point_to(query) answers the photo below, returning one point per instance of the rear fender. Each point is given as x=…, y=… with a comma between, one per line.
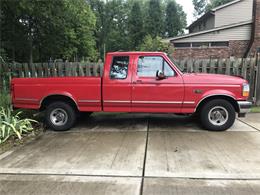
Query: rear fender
x=61, y=93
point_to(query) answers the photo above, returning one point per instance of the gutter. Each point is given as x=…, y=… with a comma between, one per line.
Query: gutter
x=252, y=39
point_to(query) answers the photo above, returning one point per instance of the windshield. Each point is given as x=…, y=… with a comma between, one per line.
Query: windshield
x=175, y=63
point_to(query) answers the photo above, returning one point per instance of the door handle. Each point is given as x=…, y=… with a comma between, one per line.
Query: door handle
x=138, y=81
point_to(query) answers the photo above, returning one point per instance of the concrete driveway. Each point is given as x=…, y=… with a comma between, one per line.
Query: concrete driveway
x=137, y=154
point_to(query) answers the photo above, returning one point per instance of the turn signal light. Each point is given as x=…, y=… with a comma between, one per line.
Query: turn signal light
x=246, y=90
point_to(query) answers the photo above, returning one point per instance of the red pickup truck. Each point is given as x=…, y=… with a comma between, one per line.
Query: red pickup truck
x=140, y=82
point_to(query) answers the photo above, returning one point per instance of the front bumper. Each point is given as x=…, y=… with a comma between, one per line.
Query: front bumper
x=244, y=107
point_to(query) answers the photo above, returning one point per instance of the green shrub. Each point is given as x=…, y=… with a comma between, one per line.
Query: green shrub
x=5, y=100
x=12, y=125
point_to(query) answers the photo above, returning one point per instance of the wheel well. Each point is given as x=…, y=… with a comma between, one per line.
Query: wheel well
x=61, y=98
x=223, y=97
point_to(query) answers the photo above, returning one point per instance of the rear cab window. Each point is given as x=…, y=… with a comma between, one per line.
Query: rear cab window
x=119, y=67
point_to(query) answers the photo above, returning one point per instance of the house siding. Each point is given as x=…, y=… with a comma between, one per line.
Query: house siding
x=235, y=33
x=238, y=12
x=209, y=23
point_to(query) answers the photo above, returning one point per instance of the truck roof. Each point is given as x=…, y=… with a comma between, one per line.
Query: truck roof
x=136, y=53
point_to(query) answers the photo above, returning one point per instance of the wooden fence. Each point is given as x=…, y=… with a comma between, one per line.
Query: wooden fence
x=248, y=68
x=54, y=69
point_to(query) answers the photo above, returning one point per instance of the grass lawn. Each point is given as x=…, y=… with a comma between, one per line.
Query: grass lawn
x=255, y=109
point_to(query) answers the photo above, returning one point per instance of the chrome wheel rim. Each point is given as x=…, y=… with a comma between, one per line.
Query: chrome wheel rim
x=59, y=117
x=218, y=116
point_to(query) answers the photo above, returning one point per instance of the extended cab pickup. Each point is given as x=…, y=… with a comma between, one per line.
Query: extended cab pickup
x=135, y=82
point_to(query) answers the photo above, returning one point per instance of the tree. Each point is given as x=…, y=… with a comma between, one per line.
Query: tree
x=153, y=44
x=111, y=30
x=37, y=30
x=101, y=31
x=117, y=32
x=154, y=19
x=199, y=7
x=41, y=30
x=203, y=6
x=215, y=3
x=13, y=35
x=175, y=20
x=135, y=25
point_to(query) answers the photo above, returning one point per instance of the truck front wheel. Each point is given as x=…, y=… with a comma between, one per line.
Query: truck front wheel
x=60, y=116
x=217, y=115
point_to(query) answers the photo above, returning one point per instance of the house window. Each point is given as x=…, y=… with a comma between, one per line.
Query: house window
x=182, y=45
x=220, y=44
x=200, y=44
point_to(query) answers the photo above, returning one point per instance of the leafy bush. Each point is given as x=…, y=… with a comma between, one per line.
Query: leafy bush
x=5, y=100
x=12, y=125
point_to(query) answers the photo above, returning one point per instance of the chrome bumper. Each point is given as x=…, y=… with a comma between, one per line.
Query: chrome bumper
x=244, y=107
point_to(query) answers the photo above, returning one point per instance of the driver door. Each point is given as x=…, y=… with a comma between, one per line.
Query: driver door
x=150, y=94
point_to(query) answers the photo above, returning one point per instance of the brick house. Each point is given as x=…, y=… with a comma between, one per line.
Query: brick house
x=232, y=29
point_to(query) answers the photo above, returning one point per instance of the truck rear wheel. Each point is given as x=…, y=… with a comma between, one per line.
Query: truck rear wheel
x=60, y=116
x=217, y=115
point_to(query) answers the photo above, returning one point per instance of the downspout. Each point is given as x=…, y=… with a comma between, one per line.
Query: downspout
x=252, y=39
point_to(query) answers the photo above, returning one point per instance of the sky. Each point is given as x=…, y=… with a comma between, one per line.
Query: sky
x=188, y=9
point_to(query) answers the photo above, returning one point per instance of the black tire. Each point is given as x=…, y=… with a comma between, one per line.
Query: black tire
x=67, y=112
x=213, y=105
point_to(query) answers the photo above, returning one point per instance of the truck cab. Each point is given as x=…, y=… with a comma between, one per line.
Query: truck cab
x=142, y=82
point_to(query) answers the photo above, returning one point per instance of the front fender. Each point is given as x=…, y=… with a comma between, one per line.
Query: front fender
x=213, y=93
x=217, y=92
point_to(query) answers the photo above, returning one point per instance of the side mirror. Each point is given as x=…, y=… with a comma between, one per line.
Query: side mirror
x=160, y=75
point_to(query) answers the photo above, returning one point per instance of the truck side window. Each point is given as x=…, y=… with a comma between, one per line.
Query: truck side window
x=119, y=67
x=148, y=66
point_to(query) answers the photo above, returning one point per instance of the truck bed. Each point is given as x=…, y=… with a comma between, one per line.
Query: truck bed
x=30, y=92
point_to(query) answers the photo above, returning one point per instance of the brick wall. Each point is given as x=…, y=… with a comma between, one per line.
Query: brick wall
x=236, y=48
x=256, y=43
x=200, y=53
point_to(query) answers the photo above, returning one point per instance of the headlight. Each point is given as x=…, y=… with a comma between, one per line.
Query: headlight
x=246, y=90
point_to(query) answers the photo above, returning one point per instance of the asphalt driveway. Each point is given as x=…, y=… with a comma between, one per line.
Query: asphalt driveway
x=137, y=154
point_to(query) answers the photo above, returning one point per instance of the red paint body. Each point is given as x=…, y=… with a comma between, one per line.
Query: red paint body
x=178, y=94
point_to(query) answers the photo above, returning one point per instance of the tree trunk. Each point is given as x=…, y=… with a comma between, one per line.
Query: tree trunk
x=13, y=46
x=30, y=43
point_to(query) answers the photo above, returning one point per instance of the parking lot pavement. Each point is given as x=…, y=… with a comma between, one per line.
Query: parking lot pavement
x=173, y=123
x=106, y=153
x=169, y=186
x=60, y=185
x=136, y=154
x=225, y=155
x=252, y=119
